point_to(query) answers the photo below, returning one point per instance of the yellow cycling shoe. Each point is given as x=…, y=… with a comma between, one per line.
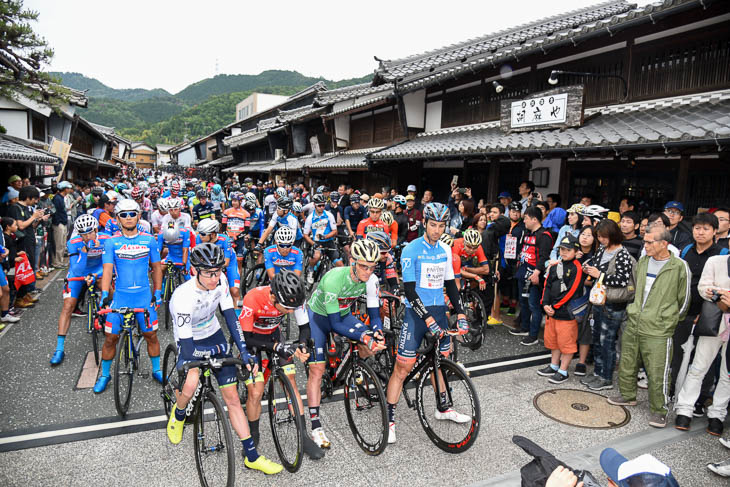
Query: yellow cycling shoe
x=175, y=429
x=494, y=321
x=263, y=464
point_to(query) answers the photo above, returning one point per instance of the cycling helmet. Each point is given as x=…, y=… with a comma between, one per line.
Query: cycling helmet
x=121, y=186
x=97, y=191
x=191, y=194
x=296, y=207
x=174, y=204
x=284, y=203
x=236, y=188
x=381, y=238
x=354, y=199
x=202, y=194
x=175, y=187
x=207, y=256
x=447, y=238
x=319, y=199
x=322, y=189
x=128, y=205
x=516, y=206
x=171, y=234
x=288, y=289
x=436, y=211
x=284, y=236
x=113, y=196
x=85, y=224
x=155, y=192
x=593, y=211
x=335, y=197
x=248, y=181
x=366, y=250
x=136, y=193
x=251, y=197
x=400, y=200
x=208, y=226
x=281, y=192
x=236, y=196
x=251, y=207
x=387, y=218
x=217, y=188
x=472, y=237
x=162, y=205
x=376, y=203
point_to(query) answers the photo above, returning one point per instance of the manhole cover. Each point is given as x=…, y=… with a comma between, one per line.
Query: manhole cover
x=581, y=408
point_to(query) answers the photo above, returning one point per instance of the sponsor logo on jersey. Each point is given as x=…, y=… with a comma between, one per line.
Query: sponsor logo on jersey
x=405, y=262
x=183, y=319
x=132, y=251
x=281, y=261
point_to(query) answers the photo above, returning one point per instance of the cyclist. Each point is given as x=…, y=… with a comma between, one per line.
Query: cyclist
x=329, y=311
x=129, y=255
x=84, y=260
x=385, y=271
x=236, y=222
x=282, y=255
x=427, y=269
x=373, y=221
x=204, y=209
x=321, y=225
x=175, y=214
x=158, y=215
x=469, y=261
x=354, y=214
x=208, y=232
x=174, y=194
x=174, y=244
x=401, y=219
x=198, y=335
x=261, y=316
x=218, y=200
x=283, y=217
x=390, y=224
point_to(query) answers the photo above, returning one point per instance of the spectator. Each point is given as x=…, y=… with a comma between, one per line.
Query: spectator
x=629, y=225
x=555, y=215
x=494, y=234
x=27, y=220
x=481, y=221
x=414, y=216
x=14, y=182
x=723, y=229
x=15, y=254
x=587, y=199
x=627, y=203
x=644, y=470
x=463, y=219
x=505, y=198
x=512, y=249
x=536, y=245
x=588, y=244
x=642, y=230
x=411, y=190
x=661, y=301
x=427, y=198
x=6, y=260
x=661, y=220
x=607, y=319
x=26, y=182
x=572, y=228
x=60, y=222
x=525, y=191
x=681, y=236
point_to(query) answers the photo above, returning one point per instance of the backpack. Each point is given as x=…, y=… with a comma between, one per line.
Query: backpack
x=536, y=473
x=685, y=250
x=578, y=305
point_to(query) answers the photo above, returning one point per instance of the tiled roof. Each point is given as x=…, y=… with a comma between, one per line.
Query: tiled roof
x=351, y=159
x=689, y=118
x=221, y=160
x=263, y=166
x=11, y=151
x=378, y=100
x=431, y=67
x=301, y=113
x=244, y=138
x=348, y=92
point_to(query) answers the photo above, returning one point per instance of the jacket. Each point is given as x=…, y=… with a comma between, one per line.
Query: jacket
x=668, y=300
x=492, y=234
x=715, y=274
x=558, y=292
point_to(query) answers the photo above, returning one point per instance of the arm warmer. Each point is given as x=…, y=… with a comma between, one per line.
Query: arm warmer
x=77, y=263
x=416, y=303
x=392, y=283
x=189, y=351
x=234, y=328
x=452, y=291
x=375, y=321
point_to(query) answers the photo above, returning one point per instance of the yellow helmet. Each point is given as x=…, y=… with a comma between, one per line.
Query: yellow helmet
x=387, y=218
x=366, y=250
x=447, y=238
x=472, y=237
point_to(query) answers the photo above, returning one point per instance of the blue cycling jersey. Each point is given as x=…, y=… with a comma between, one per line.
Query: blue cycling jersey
x=257, y=221
x=175, y=249
x=131, y=257
x=224, y=242
x=289, y=220
x=292, y=261
x=320, y=225
x=428, y=266
x=80, y=263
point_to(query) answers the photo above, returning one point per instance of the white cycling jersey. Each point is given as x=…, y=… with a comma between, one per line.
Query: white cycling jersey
x=183, y=221
x=193, y=309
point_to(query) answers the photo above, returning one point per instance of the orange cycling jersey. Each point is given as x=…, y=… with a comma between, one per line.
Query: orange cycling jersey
x=258, y=314
x=458, y=252
x=367, y=225
x=236, y=221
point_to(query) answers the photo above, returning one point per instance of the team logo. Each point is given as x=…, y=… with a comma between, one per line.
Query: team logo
x=183, y=319
x=329, y=297
x=132, y=251
x=405, y=262
x=246, y=312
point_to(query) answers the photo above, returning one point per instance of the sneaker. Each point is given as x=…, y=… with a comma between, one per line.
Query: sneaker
x=529, y=341
x=494, y=321
x=681, y=422
x=601, y=385
x=311, y=449
x=511, y=311
x=642, y=383
x=699, y=410
x=558, y=378
x=618, y=400
x=722, y=468
x=725, y=442
x=451, y=415
x=8, y=318
x=518, y=333
x=589, y=380
x=714, y=427
x=39, y=276
x=263, y=464
x=547, y=371
x=77, y=312
x=320, y=439
x=658, y=420
x=580, y=369
x=391, y=433
x=175, y=428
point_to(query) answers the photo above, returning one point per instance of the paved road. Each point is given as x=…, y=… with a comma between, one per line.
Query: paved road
x=42, y=404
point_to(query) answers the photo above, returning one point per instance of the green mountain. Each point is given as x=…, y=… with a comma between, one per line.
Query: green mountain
x=97, y=89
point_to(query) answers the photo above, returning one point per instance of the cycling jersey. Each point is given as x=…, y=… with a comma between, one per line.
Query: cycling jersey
x=459, y=257
x=258, y=314
x=202, y=211
x=131, y=257
x=80, y=263
x=156, y=219
x=386, y=270
x=217, y=200
x=337, y=291
x=289, y=220
x=355, y=216
x=236, y=220
x=102, y=217
x=257, y=222
x=428, y=266
x=224, y=243
x=174, y=249
x=273, y=259
x=320, y=225
x=183, y=221
x=368, y=225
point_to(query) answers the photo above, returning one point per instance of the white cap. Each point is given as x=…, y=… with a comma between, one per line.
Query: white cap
x=411, y=187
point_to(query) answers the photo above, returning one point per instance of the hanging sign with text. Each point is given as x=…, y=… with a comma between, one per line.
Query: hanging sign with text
x=558, y=108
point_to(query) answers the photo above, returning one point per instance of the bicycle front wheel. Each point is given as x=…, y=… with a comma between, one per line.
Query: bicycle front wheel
x=123, y=374
x=365, y=408
x=450, y=421
x=213, y=443
x=287, y=427
x=91, y=318
x=169, y=379
x=166, y=295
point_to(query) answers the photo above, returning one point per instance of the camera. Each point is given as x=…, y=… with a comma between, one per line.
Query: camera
x=715, y=296
x=462, y=190
x=47, y=211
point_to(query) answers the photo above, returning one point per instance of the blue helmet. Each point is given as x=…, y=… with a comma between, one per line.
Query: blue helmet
x=436, y=211
x=217, y=188
x=191, y=194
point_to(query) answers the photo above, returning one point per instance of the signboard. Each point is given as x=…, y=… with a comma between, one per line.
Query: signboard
x=557, y=108
x=61, y=149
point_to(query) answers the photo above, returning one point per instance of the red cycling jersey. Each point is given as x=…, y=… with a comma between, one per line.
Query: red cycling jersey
x=367, y=225
x=458, y=252
x=258, y=314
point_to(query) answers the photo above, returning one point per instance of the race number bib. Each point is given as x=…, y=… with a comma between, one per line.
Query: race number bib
x=432, y=276
x=510, y=247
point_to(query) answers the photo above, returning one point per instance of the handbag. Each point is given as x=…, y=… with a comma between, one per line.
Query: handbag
x=708, y=324
x=24, y=274
x=598, y=293
x=620, y=294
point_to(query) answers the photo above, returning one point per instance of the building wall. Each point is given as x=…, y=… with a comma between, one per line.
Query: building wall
x=186, y=157
x=256, y=103
x=553, y=167
x=15, y=122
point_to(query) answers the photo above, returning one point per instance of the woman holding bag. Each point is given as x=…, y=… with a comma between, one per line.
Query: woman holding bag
x=612, y=267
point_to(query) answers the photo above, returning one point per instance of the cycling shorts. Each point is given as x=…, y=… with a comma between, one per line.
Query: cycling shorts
x=232, y=274
x=73, y=289
x=320, y=327
x=113, y=323
x=240, y=246
x=330, y=247
x=225, y=376
x=3, y=278
x=270, y=339
x=413, y=330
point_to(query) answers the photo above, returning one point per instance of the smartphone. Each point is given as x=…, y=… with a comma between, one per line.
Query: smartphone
x=455, y=180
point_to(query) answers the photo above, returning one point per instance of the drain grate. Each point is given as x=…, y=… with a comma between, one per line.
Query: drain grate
x=581, y=408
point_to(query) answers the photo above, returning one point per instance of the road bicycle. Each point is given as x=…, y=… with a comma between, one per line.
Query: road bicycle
x=92, y=322
x=126, y=359
x=174, y=277
x=212, y=438
x=323, y=265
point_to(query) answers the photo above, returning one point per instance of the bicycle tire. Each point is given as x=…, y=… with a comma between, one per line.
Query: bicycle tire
x=167, y=294
x=169, y=379
x=426, y=402
x=362, y=381
x=251, y=281
x=90, y=317
x=123, y=365
x=290, y=447
x=214, y=428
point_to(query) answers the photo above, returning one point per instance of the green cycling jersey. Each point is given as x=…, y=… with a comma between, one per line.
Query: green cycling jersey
x=338, y=290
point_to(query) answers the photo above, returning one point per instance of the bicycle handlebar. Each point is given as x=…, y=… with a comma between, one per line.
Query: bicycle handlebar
x=430, y=342
x=94, y=276
x=216, y=363
x=122, y=311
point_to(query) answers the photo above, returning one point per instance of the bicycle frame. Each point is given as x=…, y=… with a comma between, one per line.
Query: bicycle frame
x=426, y=358
x=128, y=322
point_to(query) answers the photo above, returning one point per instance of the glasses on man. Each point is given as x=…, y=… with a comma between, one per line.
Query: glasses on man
x=372, y=210
x=210, y=274
x=284, y=246
x=469, y=247
x=366, y=267
x=319, y=206
x=128, y=214
x=672, y=212
x=649, y=242
x=205, y=234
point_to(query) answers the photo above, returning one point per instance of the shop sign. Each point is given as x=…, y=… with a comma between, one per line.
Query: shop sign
x=557, y=108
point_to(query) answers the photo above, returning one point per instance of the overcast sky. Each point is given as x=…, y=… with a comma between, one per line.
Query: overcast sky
x=172, y=43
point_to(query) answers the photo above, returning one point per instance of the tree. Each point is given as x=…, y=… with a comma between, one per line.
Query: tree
x=23, y=54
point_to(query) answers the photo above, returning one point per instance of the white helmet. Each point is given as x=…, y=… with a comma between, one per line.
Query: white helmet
x=162, y=204
x=280, y=192
x=366, y=250
x=251, y=198
x=284, y=236
x=208, y=226
x=85, y=224
x=174, y=204
x=113, y=196
x=296, y=207
x=128, y=205
x=171, y=234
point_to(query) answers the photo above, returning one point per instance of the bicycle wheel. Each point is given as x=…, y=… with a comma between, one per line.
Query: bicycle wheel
x=91, y=318
x=448, y=434
x=166, y=295
x=123, y=374
x=365, y=408
x=169, y=379
x=213, y=443
x=285, y=417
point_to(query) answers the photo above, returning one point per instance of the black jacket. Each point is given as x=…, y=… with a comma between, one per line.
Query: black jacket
x=492, y=234
x=558, y=293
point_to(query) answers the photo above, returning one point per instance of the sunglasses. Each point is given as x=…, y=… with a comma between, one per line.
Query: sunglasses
x=211, y=274
x=367, y=268
x=319, y=206
x=473, y=249
x=127, y=214
x=284, y=246
x=204, y=234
